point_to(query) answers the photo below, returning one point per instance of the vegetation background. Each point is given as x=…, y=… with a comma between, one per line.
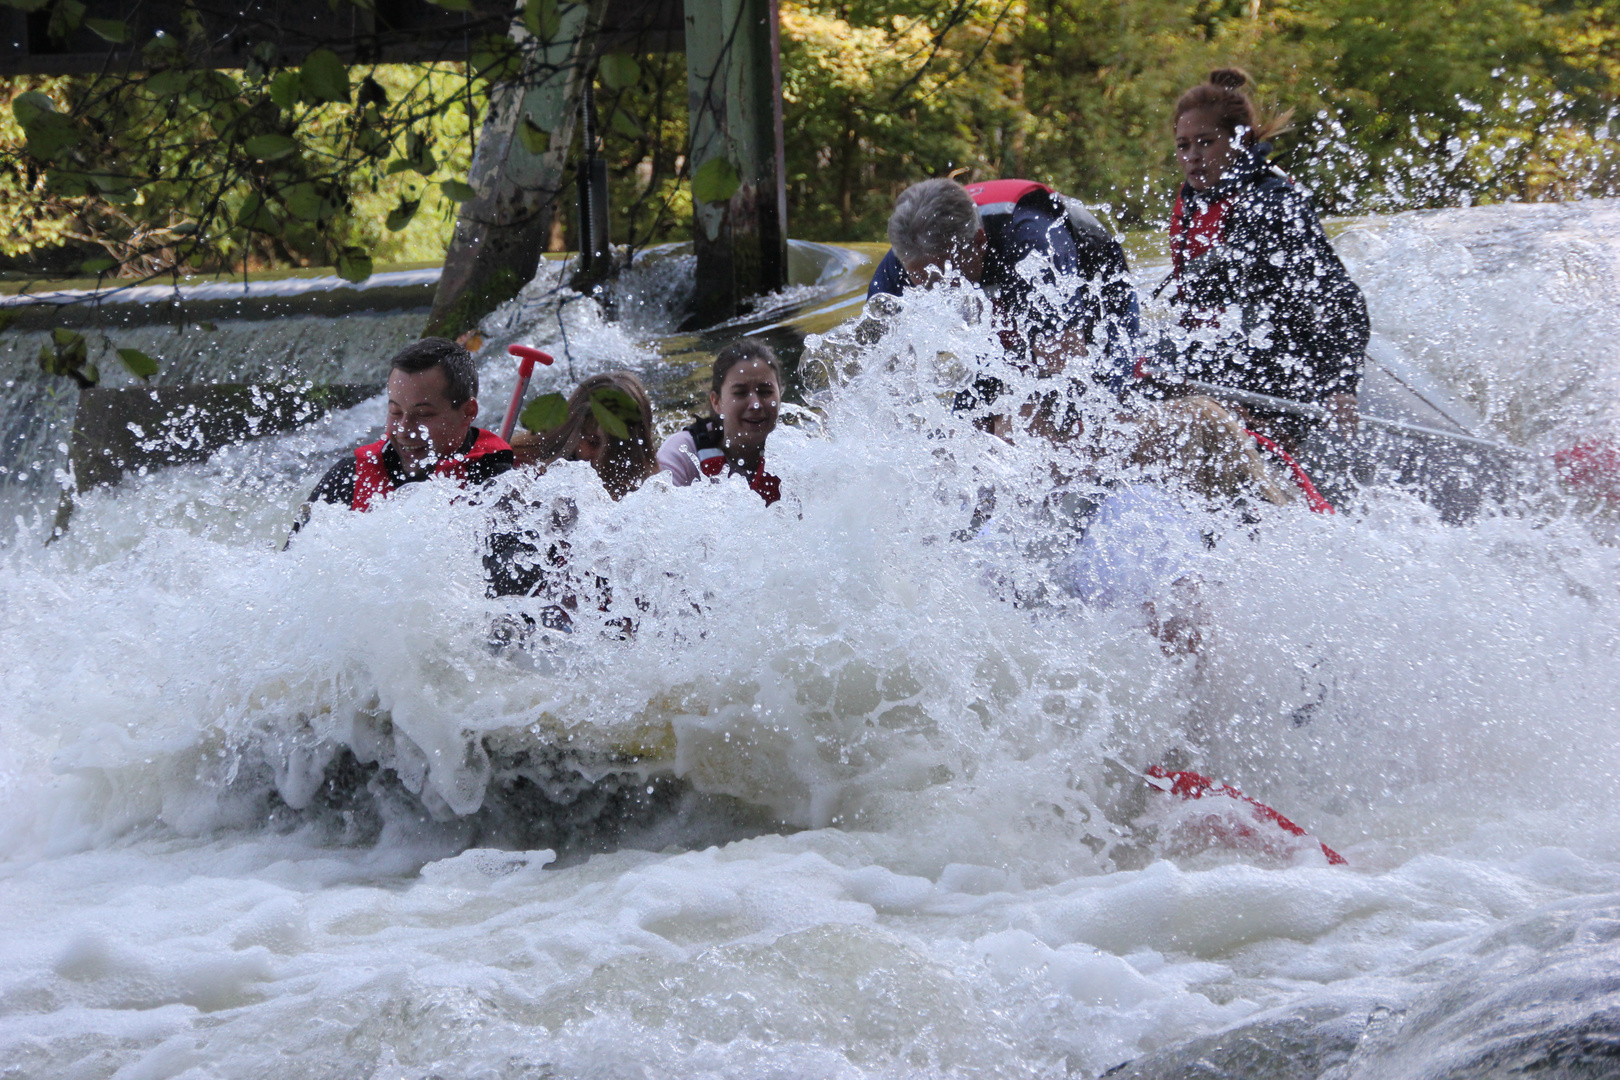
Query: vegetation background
x=1396, y=106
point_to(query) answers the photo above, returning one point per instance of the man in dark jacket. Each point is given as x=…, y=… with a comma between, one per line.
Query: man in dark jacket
x=983, y=232
x=432, y=402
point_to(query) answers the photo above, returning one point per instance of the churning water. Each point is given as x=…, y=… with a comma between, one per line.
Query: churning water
x=857, y=796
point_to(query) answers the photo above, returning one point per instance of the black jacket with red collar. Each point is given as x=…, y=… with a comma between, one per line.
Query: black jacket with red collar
x=374, y=470
x=1250, y=261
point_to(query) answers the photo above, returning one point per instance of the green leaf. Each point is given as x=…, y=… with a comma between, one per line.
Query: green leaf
x=303, y=201
x=625, y=124
x=400, y=216
x=138, y=363
x=66, y=339
x=99, y=265
x=30, y=106
x=66, y=16
x=715, y=181
x=548, y=412
x=286, y=88
x=535, y=139
x=49, y=132
x=354, y=265
x=26, y=5
x=607, y=421
x=371, y=142
x=161, y=52
x=112, y=30
x=371, y=93
x=457, y=191
x=270, y=147
x=497, y=58
x=398, y=165
x=619, y=71
x=49, y=135
x=324, y=77
x=184, y=228
x=542, y=19
x=452, y=5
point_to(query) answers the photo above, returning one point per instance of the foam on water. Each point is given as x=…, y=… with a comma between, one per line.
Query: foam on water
x=254, y=799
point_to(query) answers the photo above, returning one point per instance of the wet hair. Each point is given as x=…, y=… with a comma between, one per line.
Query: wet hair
x=935, y=219
x=623, y=463
x=740, y=352
x=1223, y=95
x=460, y=373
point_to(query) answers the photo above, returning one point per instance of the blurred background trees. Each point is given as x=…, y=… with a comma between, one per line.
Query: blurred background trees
x=1397, y=106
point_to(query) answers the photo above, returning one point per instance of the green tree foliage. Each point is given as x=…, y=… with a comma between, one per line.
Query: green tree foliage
x=176, y=167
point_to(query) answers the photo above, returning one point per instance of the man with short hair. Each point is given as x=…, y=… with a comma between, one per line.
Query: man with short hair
x=982, y=233
x=432, y=402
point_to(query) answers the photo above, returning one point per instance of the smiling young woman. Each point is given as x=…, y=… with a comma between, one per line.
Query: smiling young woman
x=745, y=396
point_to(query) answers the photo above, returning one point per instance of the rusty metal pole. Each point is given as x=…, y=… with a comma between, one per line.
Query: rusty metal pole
x=734, y=94
x=517, y=173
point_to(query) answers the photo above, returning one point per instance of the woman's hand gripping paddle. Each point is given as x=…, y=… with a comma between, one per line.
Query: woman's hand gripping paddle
x=527, y=356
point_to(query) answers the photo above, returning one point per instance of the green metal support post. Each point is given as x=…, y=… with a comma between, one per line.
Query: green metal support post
x=734, y=93
x=517, y=172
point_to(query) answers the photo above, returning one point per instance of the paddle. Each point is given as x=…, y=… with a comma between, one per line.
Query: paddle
x=528, y=356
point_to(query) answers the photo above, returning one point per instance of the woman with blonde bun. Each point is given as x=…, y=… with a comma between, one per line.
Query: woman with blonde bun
x=1250, y=261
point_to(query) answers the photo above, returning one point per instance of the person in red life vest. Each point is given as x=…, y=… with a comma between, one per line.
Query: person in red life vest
x=432, y=402
x=1250, y=262
x=745, y=395
x=1078, y=303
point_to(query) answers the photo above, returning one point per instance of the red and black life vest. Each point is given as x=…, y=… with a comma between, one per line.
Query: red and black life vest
x=372, y=481
x=709, y=438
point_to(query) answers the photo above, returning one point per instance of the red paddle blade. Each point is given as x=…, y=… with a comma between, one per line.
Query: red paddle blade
x=529, y=352
x=1190, y=785
x=1592, y=467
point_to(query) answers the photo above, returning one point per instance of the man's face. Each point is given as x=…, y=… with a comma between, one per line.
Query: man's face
x=423, y=426
x=968, y=264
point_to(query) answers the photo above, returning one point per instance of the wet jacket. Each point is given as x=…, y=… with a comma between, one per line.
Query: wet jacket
x=1251, y=262
x=1022, y=218
x=375, y=470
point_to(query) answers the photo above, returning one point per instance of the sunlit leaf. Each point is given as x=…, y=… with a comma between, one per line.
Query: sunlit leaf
x=400, y=216
x=270, y=147
x=138, y=363
x=286, y=89
x=303, y=201
x=324, y=76
x=66, y=16
x=535, y=139
x=614, y=410
x=619, y=71
x=29, y=106
x=548, y=412
x=458, y=191
x=542, y=19
x=715, y=181
x=354, y=264
x=112, y=30
x=625, y=124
